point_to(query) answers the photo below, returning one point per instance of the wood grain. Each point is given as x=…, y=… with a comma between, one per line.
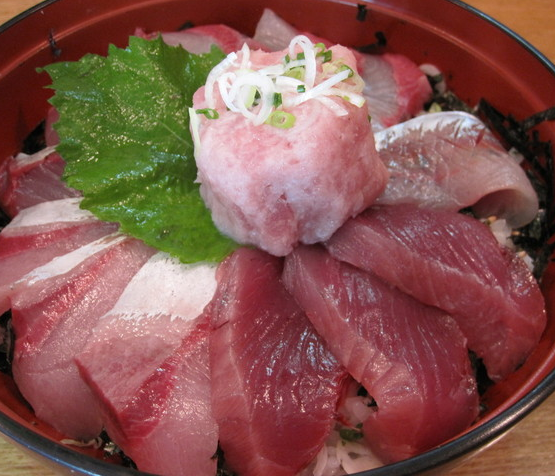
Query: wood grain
x=529, y=449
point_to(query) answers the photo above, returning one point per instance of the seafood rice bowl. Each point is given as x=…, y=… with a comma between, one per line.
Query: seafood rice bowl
x=294, y=238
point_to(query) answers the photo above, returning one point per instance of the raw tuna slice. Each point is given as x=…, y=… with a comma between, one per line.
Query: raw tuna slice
x=450, y=160
x=275, y=386
x=274, y=33
x=40, y=233
x=147, y=365
x=395, y=87
x=454, y=262
x=411, y=358
x=26, y=180
x=53, y=315
x=199, y=39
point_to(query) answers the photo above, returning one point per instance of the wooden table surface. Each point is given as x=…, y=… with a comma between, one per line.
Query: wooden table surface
x=529, y=449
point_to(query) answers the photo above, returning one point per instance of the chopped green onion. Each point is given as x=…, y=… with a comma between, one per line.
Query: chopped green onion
x=251, y=96
x=300, y=56
x=208, y=113
x=287, y=59
x=434, y=107
x=301, y=88
x=344, y=67
x=325, y=55
x=296, y=73
x=278, y=101
x=320, y=47
x=281, y=119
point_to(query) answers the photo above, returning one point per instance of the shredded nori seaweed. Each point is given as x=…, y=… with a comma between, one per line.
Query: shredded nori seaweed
x=222, y=470
x=536, y=238
x=362, y=12
x=482, y=380
x=6, y=343
x=377, y=46
x=447, y=101
x=35, y=141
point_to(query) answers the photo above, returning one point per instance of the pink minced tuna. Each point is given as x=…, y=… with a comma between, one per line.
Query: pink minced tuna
x=275, y=187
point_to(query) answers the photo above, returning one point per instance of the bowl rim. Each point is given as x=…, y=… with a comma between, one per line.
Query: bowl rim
x=505, y=29
x=50, y=451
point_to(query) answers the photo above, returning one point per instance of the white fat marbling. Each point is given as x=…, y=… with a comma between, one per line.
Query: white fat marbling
x=65, y=263
x=166, y=286
x=53, y=211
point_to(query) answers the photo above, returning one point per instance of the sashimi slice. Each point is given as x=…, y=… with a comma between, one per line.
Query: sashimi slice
x=395, y=87
x=53, y=314
x=40, y=233
x=450, y=160
x=199, y=39
x=454, y=262
x=147, y=365
x=411, y=358
x=26, y=180
x=274, y=33
x=275, y=386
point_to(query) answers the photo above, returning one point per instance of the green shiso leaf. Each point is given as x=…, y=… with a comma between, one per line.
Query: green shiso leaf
x=124, y=134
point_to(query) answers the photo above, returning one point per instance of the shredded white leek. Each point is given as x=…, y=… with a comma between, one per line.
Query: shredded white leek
x=302, y=76
x=195, y=124
x=216, y=72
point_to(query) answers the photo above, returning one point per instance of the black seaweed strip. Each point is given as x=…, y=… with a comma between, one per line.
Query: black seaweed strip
x=35, y=140
x=362, y=11
x=186, y=26
x=536, y=238
x=377, y=46
x=222, y=470
x=6, y=343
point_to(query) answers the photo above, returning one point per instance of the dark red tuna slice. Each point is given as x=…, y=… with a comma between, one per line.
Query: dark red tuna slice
x=411, y=358
x=146, y=363
x=454, y=262
x=53, y=314
x=275, y=386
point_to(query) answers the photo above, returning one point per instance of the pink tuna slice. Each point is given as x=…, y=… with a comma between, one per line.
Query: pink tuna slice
x=410, y=357
x=275, y=386
x=275, y=188
x=147, y=365
x=26, y=180
x=275, y=34
x=454, y=262
x=200, y=39
x=40, y=233
x=396, y=89
x=53, y=314
x=450, y=160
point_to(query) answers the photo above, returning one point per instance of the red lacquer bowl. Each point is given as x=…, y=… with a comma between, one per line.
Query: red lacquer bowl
x=480, y=58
